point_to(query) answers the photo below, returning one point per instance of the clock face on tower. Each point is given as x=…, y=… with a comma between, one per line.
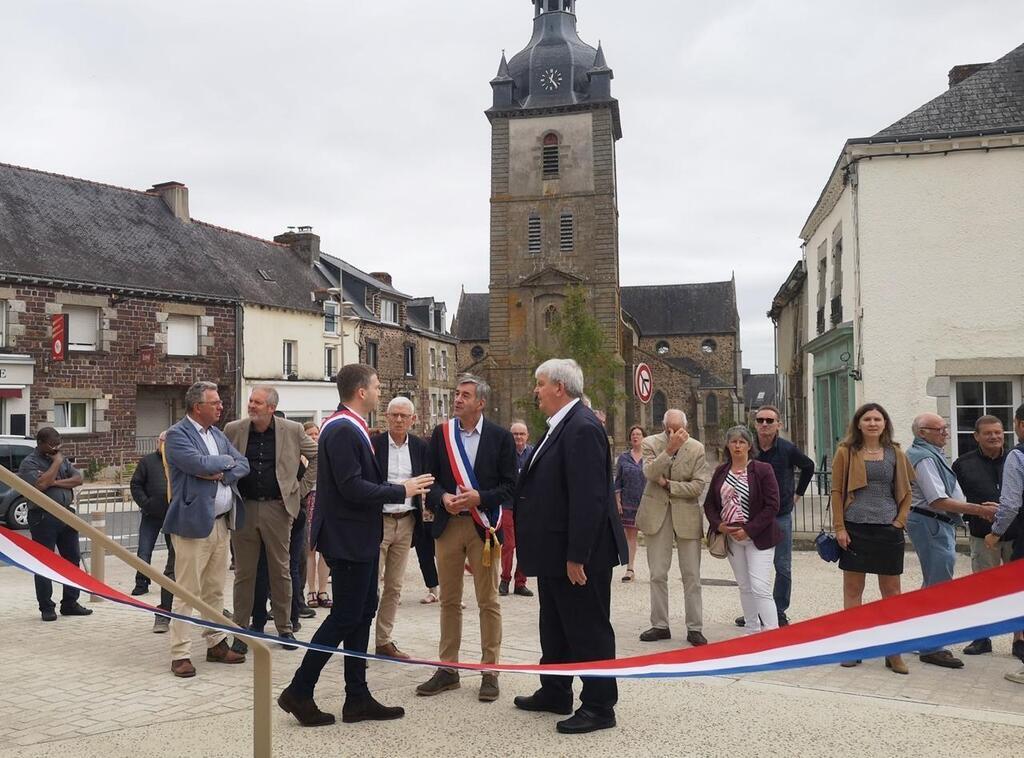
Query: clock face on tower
x=551, y=79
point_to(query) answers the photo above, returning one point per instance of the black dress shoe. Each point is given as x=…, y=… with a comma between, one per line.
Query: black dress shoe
x=305, y=612
x=238, y=646
x=585, y=721
x=140, y=589
x=536, y=702
x=502, y=588
x=365, y=708
x=49, y=614
x=655, y=633
x=75, y=610
x=304, y=710
x=288, y=636
x=1018, y=649
x=740, y=621
x=696, y=639
x=984, y=645
x=296, y=626
x=942, y=658
x=783, y=619
x=523, y=591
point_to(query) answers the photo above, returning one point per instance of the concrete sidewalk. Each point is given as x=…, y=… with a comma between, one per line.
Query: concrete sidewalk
x=101, y=686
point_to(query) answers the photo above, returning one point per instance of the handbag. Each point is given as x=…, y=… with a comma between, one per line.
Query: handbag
x=718, y=544
x=827, y=546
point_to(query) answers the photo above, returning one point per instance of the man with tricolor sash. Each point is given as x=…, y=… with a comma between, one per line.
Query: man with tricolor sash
x=474, y=465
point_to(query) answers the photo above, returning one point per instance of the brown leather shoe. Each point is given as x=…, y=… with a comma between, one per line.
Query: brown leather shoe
x=305, y=710
x=442, y=681
x=488, y=688
x=391, y=651
x=221, y=653
x=183, y=667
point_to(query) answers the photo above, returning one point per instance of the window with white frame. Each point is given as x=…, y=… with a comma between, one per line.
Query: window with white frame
x=433, y=407
x=72, y=416
x=290, y=357
x=3, y=323
x=331, y=310
x=974, y=397
x=410, y=360
x=83, y=327
x=444, y=365
x=433, y=363
x=330, y=362
x=389, y=311
x=182, y=335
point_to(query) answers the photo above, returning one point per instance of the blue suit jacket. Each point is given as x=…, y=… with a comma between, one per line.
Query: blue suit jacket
x=351, y=490
x=190, y=513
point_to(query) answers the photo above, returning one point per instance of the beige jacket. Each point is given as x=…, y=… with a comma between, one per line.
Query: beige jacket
x=290, y=441
x=688, y=474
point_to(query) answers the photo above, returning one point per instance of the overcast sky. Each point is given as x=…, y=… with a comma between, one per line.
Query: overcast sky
x=364, y=118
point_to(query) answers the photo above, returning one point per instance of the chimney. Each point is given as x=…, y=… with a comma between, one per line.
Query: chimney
x=382, y=276
x=958, y=73
x=175, y=195
x=302, y=241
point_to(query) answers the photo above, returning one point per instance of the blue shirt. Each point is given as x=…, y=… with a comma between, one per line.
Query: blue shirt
x=523, y=458
x=1012, y=492
x=36, y=464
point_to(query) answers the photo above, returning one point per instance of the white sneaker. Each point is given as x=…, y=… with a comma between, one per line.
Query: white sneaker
x=1018, y=677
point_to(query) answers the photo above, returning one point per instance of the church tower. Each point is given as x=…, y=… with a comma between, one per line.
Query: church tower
x=554, y=209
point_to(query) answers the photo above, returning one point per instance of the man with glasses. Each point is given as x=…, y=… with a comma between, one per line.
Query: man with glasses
x=401, y=456
x=784, y=457
x=935, y=513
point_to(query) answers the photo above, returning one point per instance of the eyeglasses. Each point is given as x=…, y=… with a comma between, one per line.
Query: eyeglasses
x=765, y=420
x=939, y=429
x=400, y=416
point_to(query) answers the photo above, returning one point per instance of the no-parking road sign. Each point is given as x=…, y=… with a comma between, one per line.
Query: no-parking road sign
x=643, y=383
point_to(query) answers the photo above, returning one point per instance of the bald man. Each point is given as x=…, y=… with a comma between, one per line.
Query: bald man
x=935, y=512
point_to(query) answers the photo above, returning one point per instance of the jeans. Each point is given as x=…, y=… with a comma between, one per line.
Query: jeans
x=784, y=564
x=149, y=531
x=935, y=545
x=51, y=533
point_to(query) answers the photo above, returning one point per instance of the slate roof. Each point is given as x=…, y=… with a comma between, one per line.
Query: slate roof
x=63, y=229
x=992, y=99
x=354, y=283
x=754, y=385
x=472, y=321
x=705, y=308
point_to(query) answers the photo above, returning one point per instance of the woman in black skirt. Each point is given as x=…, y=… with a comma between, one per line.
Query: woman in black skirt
x=871, y=479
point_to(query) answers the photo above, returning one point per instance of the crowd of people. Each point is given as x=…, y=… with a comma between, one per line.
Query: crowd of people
x=291, y=505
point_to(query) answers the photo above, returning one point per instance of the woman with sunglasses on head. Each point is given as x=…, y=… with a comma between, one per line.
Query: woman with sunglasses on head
x=871, y=479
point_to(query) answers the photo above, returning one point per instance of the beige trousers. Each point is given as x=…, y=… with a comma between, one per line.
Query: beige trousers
x=201, y=567
x=983, y=557
x=394, y=555
x=266, y=522
x=457, y=545
x=659, y=560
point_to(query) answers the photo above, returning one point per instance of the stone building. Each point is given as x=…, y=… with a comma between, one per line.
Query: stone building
x=554, y=224
x=789, y=314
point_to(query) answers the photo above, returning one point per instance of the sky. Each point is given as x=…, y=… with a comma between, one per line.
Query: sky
x=364, y=119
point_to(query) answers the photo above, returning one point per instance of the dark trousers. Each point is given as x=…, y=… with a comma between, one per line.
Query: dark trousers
x=166, y=598
x=424, y=543
x=575, y=627
x=149, y=531
x=354, y=586
x=51, y=533
x=296, y=567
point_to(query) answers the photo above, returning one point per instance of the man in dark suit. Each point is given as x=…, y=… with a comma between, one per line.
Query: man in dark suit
x=347, y=530
x=474, y=462
x=569, y=536
x=401, y=456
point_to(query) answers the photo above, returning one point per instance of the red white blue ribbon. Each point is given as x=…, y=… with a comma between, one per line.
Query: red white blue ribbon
x=979, y=605
x=462, y=470
x=346, y=415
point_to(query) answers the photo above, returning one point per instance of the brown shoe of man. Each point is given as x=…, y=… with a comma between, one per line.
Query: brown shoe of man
x=391, y=651
x=183, y=667
x=442, y=681
x=488, y=688
x=221, y=653
x=303, y=709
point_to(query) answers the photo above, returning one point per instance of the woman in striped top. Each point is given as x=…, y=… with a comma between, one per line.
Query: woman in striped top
x=742, y=503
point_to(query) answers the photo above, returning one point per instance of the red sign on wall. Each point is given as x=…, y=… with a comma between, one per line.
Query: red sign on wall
x=643, y=383
x=59, y=344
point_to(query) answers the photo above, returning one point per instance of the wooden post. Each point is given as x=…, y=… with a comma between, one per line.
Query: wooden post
x=97, y=552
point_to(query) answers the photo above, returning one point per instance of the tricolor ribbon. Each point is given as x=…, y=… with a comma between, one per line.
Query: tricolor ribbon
x=462, y=470
x=343, y=414
x=978, y=605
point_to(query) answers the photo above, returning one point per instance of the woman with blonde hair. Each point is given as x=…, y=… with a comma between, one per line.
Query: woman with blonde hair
x=871, y=479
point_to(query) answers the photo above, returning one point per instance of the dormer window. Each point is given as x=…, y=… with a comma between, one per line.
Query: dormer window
x=550, y=156
x=389, y=311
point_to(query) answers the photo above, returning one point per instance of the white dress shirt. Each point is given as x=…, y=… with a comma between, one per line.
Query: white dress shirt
x=222, y=503
x=553, y=422
x=399, y=469
x=471, y=439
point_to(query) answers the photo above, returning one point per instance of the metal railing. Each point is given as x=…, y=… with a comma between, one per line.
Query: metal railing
x=262, y=696
x=811, y=512
x=115, y=506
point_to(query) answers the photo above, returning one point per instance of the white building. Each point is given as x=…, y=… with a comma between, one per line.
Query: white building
x=913, y=255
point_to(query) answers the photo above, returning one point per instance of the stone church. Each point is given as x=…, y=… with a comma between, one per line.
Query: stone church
x=554, y=224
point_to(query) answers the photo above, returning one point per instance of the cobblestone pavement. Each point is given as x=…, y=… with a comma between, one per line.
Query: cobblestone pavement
x=101, y=686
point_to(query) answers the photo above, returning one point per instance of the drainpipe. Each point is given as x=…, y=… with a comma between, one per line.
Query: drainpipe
x=239, y=358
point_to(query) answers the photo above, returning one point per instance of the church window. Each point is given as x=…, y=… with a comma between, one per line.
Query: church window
x=566, y=232
x=550, y=316
x=533, y=233
x=659, y=404
x=709, y=346
x=550, y=156
x=711, y=409
x=661, y=348
x=477, y=352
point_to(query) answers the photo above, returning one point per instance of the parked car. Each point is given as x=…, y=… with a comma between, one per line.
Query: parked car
x=14, y=507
